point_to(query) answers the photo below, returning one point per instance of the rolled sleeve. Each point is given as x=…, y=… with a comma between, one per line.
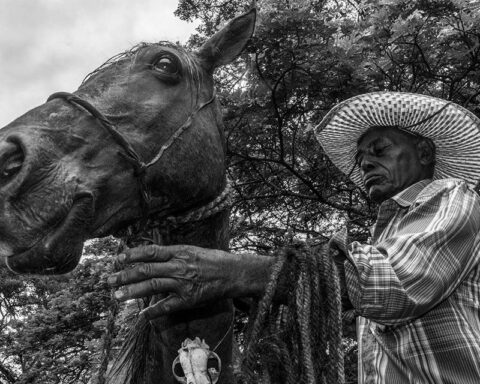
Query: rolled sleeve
x=429, y=254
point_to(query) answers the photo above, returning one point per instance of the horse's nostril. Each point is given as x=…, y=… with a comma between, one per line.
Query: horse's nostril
x=11, y=160
x=12, y=166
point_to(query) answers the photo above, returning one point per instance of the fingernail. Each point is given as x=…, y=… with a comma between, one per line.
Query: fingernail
x=122, y=257
x=112, y=280
x=119, y=295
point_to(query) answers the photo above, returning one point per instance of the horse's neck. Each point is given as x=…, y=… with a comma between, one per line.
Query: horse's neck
x=210, y=232
x=212, y=323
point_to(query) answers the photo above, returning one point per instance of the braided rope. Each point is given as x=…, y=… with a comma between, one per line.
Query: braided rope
x=300, y=342
x=219, y=204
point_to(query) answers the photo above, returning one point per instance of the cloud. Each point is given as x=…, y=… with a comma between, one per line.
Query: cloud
x=50, y=45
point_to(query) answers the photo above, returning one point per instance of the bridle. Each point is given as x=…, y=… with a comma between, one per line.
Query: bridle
x=139, y=166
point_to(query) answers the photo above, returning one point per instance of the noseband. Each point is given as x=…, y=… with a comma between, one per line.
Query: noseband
x=129, y=152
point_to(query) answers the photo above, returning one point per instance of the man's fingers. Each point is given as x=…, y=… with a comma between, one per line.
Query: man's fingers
x=147, y=253
x=148, y=271
x=146, y=288
x=167, y=305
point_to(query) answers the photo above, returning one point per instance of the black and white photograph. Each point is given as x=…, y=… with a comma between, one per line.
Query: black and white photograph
x=239, y=192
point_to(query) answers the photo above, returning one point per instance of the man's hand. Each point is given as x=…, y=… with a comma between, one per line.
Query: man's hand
x=339, y=242
x=338, y=250
x=189, y=276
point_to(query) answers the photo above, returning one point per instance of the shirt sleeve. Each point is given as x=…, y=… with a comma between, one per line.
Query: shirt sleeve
x=433, y=250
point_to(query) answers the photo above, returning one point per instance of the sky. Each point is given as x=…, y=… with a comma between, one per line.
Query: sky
x=50, y=45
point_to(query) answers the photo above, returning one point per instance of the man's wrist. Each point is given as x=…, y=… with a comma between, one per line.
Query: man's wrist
x=250, y=275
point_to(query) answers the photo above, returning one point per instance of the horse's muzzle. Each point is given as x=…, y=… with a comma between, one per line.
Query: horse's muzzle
x=60, y=251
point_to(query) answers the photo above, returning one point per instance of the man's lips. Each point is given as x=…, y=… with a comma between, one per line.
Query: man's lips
x=371, y=180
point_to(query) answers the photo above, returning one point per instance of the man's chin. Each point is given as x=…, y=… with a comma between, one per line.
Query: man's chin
x=379, y=193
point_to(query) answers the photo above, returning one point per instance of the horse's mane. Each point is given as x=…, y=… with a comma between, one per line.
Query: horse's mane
x=119, y=57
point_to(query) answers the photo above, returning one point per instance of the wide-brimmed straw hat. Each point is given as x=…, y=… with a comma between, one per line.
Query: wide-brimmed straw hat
x=453, y=129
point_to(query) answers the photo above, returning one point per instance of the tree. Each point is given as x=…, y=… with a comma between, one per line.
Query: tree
x=305, y=57
x=53, y=328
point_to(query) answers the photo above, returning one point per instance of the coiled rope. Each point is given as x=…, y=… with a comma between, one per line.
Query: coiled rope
x=298, y=340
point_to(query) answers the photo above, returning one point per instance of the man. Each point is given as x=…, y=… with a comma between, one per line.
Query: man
x=416, y=287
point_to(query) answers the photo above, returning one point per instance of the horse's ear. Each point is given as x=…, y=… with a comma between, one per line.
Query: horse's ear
x=225, y=45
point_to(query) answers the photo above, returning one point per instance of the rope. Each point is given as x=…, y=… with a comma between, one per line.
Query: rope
x=164, y=225
x=129, y=152
x=300, y=341
x=219, y=204
x=180, y=130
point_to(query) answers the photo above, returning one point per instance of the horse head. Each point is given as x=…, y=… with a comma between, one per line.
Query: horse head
x=142, y=134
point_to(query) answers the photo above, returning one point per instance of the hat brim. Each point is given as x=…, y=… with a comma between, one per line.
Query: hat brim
x=453, y=129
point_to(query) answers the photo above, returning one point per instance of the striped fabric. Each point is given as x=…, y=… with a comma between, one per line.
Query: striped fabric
x=416, y=289
x=453, y=129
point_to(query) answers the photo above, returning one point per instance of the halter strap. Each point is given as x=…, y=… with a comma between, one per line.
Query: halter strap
x=129, y=152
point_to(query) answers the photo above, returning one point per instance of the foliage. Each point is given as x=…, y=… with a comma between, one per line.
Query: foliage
x=52, y=327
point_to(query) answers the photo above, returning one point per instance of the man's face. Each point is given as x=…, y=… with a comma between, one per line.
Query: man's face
x=389, y=162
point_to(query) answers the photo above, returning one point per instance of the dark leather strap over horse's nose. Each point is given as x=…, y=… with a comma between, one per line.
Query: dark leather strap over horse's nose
x=129, y=153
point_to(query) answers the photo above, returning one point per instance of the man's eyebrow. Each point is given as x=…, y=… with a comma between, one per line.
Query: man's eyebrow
x=370, y=145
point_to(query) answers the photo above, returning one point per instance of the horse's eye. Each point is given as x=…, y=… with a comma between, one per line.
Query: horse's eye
x=166, y=65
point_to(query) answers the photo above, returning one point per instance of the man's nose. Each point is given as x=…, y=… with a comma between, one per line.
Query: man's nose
x=366, y=164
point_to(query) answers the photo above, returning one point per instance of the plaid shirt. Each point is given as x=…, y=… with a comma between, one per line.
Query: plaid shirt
x=416, y=289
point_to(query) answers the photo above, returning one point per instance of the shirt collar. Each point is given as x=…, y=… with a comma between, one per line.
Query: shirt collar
x=408, y=196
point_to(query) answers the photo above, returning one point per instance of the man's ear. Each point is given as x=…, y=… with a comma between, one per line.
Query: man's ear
x=225, y=45
x=426, y=151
